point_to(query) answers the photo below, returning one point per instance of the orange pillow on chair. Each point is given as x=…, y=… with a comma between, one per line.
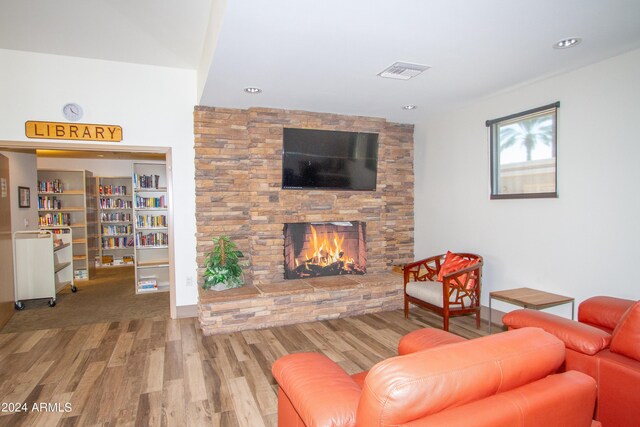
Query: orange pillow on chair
x=453, y=262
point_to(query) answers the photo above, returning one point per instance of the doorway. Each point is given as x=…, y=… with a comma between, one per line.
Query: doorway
x=114, y=250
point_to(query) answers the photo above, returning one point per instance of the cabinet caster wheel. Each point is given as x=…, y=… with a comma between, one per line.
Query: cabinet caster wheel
x=52, y=302
x=74, y=289
x=19, y=305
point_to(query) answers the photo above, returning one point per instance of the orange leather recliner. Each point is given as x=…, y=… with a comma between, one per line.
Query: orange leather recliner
x=605, y=344
x=501, y=380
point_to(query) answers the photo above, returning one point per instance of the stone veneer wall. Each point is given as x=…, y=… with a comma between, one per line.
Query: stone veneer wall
x=238, y=167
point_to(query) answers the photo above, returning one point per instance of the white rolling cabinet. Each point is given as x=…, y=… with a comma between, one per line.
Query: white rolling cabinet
x=42, y=267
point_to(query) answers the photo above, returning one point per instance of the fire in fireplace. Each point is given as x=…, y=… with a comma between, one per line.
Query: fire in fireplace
x=324, y=249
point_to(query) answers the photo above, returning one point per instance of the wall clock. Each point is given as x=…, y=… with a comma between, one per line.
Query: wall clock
x=72, y=111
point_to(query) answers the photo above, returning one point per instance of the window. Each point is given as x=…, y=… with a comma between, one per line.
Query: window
x=523, y=154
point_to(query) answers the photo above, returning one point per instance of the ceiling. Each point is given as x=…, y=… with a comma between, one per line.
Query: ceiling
x=325, y=55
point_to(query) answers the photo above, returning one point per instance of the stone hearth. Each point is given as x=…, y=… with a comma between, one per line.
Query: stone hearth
x=296, y=301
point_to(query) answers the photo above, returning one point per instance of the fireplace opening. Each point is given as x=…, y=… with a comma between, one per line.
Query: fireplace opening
x=324, y=249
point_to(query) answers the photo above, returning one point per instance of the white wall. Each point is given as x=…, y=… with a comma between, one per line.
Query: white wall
x=23, y=173
x=154, y=106
x=584, y=243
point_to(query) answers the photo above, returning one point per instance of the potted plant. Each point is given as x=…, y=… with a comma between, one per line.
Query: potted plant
x=223, y=269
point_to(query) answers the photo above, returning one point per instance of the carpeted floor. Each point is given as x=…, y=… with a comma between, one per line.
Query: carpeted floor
x=110, y=297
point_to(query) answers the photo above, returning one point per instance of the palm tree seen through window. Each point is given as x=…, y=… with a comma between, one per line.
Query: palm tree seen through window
x=523, y=154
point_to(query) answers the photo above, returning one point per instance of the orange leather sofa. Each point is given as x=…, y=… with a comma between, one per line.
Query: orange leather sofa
x=605, y=344
x=506, y=379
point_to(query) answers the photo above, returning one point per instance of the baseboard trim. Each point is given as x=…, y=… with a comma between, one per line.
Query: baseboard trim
x=185, y=311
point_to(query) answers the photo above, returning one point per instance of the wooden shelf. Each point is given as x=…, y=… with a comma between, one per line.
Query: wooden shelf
x=155, y=263
x=116, y=222
x=152, y=247
x=73, y=209
x=113, y=196
x=151, y=190
x=79, y=257
x=65, y=193
x=118, y=249
x=115, y=209
x=117, y=235
x=50, y=227
x=151, y=209
x=151, y=228
x=79, y=241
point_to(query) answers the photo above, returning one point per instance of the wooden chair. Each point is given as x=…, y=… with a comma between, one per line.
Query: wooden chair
x=457, y=294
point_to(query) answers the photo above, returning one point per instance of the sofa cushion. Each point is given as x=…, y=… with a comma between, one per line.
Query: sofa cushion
x=603, y=312
x=424, y=339
x=576, y=336
x=431, y=292
x=625, y=339
x=405, y=388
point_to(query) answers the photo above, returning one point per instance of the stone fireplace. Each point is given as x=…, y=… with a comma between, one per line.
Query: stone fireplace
x=238, y=172
x=324, y=249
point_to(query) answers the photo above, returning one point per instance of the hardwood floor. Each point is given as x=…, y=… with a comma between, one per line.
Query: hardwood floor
x=163, y=372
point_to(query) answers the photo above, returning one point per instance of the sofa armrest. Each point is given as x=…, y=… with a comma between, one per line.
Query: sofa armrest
x=321, y=392
x=579, y=337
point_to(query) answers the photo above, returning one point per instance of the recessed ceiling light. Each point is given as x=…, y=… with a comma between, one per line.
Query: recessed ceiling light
x=568, y=42
x=100, y=155
x=252, y=90
x=409, y=107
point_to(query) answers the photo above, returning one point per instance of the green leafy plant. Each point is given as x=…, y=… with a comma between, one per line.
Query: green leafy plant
x=223, y=269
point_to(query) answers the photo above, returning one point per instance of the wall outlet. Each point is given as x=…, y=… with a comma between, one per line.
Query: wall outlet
x=189, y=281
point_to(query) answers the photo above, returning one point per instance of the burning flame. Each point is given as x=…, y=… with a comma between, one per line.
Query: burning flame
x=324, y=252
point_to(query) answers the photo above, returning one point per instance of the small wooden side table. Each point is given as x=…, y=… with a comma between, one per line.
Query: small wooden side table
x=529, y=298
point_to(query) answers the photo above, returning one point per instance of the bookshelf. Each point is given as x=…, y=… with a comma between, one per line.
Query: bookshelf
x=115, y=205
x=151, y=227
x=67, y=198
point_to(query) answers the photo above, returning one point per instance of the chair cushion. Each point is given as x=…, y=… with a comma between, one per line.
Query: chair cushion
x=431, y=292
x=454, y=262
x=625, y=339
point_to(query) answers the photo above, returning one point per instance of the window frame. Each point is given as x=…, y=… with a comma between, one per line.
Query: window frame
x=494, y=149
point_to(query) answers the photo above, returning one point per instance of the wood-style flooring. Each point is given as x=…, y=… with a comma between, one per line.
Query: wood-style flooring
x=163, y=372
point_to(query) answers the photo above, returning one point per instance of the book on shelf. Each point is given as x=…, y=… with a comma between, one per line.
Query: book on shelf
x=52, y=186
x=112, y=190
x=147, y=283
x=146, y=181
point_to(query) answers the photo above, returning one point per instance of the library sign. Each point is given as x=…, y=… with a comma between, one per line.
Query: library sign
x=73, y=131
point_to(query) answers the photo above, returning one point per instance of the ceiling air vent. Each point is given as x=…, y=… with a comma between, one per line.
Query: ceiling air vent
x=402, y=70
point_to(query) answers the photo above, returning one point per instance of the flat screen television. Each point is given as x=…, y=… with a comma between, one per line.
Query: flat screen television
x=332, y=160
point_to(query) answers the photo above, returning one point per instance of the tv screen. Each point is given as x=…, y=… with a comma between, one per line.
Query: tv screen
x=324, y=159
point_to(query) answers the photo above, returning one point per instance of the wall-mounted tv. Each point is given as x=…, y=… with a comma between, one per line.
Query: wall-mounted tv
x=332, y=160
